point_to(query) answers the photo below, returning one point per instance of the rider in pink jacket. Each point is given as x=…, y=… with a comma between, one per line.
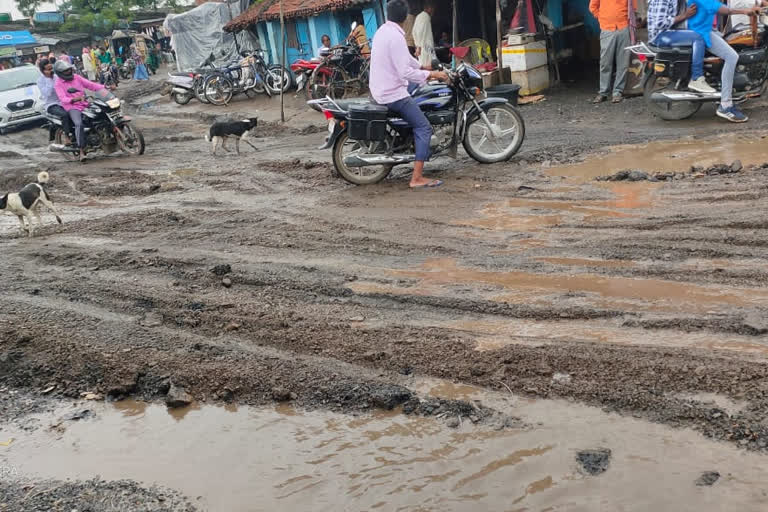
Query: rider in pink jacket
x=73, y=102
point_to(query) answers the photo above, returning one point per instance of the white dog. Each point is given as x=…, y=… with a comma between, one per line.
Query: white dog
x=27, y=201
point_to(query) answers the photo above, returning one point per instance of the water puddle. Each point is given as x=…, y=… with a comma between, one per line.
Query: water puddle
x=493, y=334
x=665, y=156
x=186, y=172
x=585, y=262
x=244, y=459
x=539, y=214
x=660, y=294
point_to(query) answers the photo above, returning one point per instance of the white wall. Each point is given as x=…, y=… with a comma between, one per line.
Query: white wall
x=10, y=6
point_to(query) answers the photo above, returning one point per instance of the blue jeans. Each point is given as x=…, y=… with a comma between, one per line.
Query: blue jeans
x=409, y=110
x=685, y=38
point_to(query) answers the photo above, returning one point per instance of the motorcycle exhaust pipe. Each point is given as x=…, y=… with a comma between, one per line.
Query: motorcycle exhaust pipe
x=673, y=96
x=179, y=90
x=366, y=160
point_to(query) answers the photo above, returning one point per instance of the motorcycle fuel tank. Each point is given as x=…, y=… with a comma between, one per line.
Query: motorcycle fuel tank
x=433, y=97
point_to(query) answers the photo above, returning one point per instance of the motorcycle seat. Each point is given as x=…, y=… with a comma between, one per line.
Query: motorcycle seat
x=678, y=50
x=345, y=104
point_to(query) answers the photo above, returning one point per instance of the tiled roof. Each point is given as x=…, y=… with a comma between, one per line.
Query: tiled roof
x=270, y=9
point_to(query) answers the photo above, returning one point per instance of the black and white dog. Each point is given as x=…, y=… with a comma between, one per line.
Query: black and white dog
x=26, y=203
x=239, y=130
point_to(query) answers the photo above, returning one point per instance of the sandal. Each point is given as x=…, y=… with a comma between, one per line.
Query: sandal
x=431, y=184
x=599, y=99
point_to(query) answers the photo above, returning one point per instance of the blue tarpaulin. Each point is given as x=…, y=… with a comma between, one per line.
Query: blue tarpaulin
x=16, y=37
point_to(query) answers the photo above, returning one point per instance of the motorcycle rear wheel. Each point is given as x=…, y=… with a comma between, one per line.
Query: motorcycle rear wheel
x=277, y=77
x=63, y=139
x=343, y=147
x=669, y=111
x=180, y=98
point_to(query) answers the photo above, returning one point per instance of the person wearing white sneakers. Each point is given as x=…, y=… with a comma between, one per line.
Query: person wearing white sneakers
x=701, y=22
x=663, y=18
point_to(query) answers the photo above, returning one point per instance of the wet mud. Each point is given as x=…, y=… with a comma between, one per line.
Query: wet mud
x=642, y=299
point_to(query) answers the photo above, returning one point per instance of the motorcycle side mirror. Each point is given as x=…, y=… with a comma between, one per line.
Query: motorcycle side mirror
x=72, y=90
x=354, y=25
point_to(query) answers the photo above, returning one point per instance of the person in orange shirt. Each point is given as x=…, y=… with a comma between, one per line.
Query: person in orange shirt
x=613, y=16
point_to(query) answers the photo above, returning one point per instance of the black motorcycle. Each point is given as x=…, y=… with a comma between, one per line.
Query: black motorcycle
x=127, y=69
x=106, y=128
x=109, y=75
x=668, y=71
x=368, y=140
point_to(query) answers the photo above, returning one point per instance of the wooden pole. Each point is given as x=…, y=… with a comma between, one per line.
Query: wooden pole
x=282, y=61
x=483, y=23
x=498, y=34
x=455, y=24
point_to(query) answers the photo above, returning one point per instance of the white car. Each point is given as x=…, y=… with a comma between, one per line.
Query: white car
x=20, y=101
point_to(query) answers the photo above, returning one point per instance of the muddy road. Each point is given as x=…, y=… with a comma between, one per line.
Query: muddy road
x=636, y=309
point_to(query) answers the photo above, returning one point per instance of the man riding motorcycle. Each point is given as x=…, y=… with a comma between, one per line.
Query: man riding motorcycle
x=73, y=102
x=392, y=68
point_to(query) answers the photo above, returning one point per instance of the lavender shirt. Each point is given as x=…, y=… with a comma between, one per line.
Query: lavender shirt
x=392, y=66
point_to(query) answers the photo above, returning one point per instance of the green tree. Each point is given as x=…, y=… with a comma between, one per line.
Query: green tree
x=28, y=7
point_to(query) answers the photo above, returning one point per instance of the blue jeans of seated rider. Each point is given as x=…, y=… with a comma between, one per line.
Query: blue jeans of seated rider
x=674, y=38
x=410, y=112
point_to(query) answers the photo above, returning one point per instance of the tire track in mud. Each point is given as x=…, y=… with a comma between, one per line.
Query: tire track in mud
x=126, y=301
x=638, y=381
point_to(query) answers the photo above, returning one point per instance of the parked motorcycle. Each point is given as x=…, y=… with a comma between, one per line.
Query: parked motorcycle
x=251, y=75
x=368, y=140
x=109, y=75
x=127, y=69
x=183, y=86
x=343, y=72
x=668, y=70
x=303, y=70
x=106, y=128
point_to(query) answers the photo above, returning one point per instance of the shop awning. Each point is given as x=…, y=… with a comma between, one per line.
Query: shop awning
x=16, y=37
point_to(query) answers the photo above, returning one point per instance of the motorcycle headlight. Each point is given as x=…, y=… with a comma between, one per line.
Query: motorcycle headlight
x=113, y=103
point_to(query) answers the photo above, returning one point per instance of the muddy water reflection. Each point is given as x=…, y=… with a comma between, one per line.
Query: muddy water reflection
x=264, y=459
x=665, y=156
x=526, y=286
x=492, y=334
x=530, y=215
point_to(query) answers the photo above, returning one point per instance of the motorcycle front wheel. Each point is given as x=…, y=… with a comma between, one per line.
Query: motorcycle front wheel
x=487, y=148
x=132, y=140
x=368, y=175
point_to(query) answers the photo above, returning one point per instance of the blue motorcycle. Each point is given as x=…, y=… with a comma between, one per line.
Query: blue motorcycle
x=368, y=140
